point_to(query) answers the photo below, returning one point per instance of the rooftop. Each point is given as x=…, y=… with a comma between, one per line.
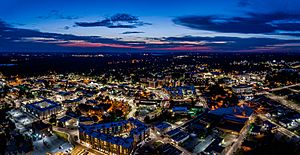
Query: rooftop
x=242, y=86
x=180, y=109
x=94, y=131
x=214, y=147
x=65, y=119
x=236, y=110
x=168, y=149
x=74, y=100
x=72, y=114
x=180, y=89
x=173, y=132
x=162, y=125
x=43, y=105
x=84, y=119
x=179, y=136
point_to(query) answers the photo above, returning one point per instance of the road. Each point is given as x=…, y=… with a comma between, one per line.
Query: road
x=276, y=89
x=156, y=137
x=284, y=87
x=133, y=108
x=285, y=102
x=240, y=139
x=281, y=129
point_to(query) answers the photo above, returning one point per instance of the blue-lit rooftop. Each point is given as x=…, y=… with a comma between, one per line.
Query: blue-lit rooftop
x=179, y=109
x=65, y=119
x=236, y=110
x=162, y=125
x=43, y=105
x=180, y=90
x=94, y=131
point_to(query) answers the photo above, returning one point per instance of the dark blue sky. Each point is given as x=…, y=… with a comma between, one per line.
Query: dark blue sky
x=149, y=25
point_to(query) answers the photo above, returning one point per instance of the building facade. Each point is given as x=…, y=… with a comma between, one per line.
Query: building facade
x=43, y=109
x=116, y=138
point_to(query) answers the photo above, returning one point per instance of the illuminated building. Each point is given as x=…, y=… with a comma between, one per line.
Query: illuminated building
x=115, y=137
x=180, y=91
x=242, y=88
x=43, y=109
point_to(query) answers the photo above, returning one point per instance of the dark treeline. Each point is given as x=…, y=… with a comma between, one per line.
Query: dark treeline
x=43, y=63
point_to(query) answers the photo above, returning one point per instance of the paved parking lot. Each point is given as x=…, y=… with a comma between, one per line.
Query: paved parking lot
x=51, y=144
x=21, y=119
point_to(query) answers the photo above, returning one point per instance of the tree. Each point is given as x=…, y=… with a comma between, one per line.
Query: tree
x=216, y=90
x=19, y=140
x=69, y=109
x=53, y=116
x=60, y=124
x=83, y=107
x=104, y=81
x=52, y=119
x=95, y=118
x=136, y=113
x=147, y=119
x=2, y=143
x=11, y=125
x=119, y=113
x=106, y=98
x=193, y=102
x=75, y=138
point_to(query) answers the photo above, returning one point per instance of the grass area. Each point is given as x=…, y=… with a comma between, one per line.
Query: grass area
x=61, y=135
x=157, y=144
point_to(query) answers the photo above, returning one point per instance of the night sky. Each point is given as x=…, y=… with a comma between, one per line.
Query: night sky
x=149, y=25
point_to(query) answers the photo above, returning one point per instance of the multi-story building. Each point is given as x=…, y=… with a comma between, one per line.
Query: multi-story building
x=180, y=92
x=43, y=109
x=242, y=88
x=118, y=138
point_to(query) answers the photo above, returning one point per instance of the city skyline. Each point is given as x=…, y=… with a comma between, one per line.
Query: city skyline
x=150, y=26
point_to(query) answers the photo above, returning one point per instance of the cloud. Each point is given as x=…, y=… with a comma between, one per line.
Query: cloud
x=25, y=40
x=132, y=32
x=232, y=43
x=185, y=48
x=55, y=14
x=124, y=17
x=81, y=43
x=105, y=22
x=66, y=27
x=259, y=23
x=269, y=6
x=121, y=20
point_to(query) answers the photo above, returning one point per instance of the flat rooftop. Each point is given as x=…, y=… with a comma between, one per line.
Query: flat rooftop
x=236, y=110
x=43, y=105
x=162, y=125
